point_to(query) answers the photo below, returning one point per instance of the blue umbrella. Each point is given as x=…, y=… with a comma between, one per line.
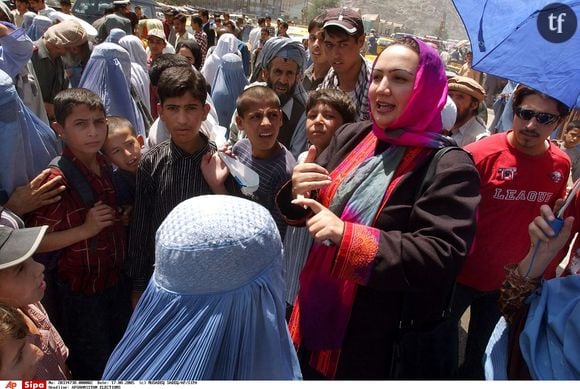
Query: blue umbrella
x=532, y=42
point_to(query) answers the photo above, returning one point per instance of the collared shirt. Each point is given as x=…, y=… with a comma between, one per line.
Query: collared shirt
x=50, y=73
x=167, y=175
x=52, y=365
x=309, y=82
x=469, y=132
x=92, y=265
x=201, y=39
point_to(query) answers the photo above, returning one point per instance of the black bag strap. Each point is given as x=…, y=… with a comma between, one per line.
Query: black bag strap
x=406, y=319
x=77, y=181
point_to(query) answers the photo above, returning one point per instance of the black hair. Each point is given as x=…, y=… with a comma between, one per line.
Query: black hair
x=115, y=123
x=163, y=62
x=522, y=91
x=317, y=22
x=337, y=99
x=66, y=100
x=192, y=46
x=177, y=81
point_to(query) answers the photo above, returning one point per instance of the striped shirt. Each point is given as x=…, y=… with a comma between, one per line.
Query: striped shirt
x=167, y=176
x=274, y=172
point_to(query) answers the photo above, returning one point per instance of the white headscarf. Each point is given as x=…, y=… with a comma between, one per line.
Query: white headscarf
x=227, y=44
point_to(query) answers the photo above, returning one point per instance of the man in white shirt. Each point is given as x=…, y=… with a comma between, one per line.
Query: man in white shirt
x=467, y=95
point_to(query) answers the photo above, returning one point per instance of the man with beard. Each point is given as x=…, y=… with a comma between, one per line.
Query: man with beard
x=281, y=62
x=60, y=39
x=467, y=95
x=520, y=171
x=344, y=37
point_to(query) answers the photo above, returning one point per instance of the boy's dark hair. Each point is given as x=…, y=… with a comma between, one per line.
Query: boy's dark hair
x=337, y=99
x=284, y=24
x=230, y=24
x=177, y=81
x=68, y=99
x=163, y=62
x=197, y=20
x=339, y=32
x=573, y=124
x=192, y=46
x=261, y=21
x=181, y=17
x=254, y=95
x=265, y=29
x=204, y=13
x=317, y=22
x=522, y=91
x=116, y=123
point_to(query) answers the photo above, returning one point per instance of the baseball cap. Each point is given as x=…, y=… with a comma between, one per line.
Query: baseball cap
x=121, y=2
x=17, y=245
x=468, y=86
x=158, y=33
x=346, y=18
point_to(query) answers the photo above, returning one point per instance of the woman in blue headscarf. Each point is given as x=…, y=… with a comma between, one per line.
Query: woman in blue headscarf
x=228, y=84
x=27, y=144
x=38, y=27
x=214, y=308
x=108, y=74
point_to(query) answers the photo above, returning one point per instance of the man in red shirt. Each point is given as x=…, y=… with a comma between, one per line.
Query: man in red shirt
x=520, y=170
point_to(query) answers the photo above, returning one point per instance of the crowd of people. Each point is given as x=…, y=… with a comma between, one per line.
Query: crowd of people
x=196, y=198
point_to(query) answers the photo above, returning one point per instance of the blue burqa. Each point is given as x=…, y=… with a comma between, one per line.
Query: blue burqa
x=27, y=144
x=214, y=307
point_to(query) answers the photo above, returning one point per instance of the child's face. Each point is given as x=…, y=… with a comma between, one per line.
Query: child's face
x=18, y=359
x=572, y=138
x=183, y=116
x=322, y=121
x=262, y=124
x=84, y=131
x=124, y=149
x=22, y=284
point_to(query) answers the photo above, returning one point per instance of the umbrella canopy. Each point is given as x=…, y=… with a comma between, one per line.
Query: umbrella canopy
x=532, y=42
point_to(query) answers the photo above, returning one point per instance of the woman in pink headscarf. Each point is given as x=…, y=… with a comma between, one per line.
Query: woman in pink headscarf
x=387, y=234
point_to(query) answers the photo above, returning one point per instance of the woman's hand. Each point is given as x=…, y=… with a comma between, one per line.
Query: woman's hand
x=308, y=176
x=324, y=225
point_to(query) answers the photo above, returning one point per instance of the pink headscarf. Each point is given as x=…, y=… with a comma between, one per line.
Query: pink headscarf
x=420, y=123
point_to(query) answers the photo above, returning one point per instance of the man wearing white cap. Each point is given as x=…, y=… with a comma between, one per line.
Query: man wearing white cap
x=60, y=39
x=117, y=19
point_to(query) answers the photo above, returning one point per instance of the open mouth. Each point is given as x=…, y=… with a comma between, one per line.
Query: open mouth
x=385, y=107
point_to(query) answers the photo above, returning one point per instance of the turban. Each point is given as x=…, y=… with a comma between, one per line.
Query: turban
x=68, y=33
x=282, y=48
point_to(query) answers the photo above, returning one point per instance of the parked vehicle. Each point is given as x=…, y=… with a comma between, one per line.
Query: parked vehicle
x=91, y=10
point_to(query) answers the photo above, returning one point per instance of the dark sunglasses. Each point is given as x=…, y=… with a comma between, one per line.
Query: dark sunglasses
x=541, y=117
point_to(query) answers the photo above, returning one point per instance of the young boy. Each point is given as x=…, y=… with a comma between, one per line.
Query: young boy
x=326, y=111
x=22, y=286
x=19, y=356
x=184, y=166
x=259, y=114
x=570, y=145
x=88, y=242
x=123, y=149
